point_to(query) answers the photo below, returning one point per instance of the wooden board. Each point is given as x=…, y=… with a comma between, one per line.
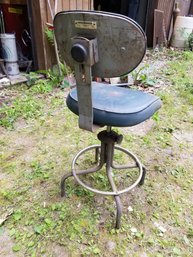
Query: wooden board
x=79, y=4
x=72, y=4
x=66, y=5
x=158, y=35
x=191, y=8
x=184, y=7
x=152, y=5
x=167, y=7
x=40, y=15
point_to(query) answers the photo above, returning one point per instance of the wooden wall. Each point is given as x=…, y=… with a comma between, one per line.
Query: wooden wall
x=184, y=6
x=40, y=15
x=167, y=7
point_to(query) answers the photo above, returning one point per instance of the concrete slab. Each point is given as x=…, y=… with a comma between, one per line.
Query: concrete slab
x=16, y=80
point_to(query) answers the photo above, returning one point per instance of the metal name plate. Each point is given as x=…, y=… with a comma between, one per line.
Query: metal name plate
x=85, y=24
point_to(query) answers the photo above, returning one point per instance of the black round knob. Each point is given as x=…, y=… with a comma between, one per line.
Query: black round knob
x=79, y=53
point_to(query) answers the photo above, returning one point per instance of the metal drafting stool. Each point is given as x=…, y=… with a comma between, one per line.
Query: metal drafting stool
x=100, y=44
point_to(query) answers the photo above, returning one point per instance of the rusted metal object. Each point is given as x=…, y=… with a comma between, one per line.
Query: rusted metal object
x=106, y=149
x=101, y=45
x=86, y=46
x=127, y=50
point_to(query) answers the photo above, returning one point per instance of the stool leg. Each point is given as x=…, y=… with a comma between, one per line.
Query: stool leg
x=81, y=172
x=119, y=211
x=143, y=177
x=97, y=153
x=62, y=185
x=109, y=160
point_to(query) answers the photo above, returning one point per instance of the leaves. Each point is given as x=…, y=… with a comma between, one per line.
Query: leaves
x=16, y=248
x=38, y=229
x=17, y=215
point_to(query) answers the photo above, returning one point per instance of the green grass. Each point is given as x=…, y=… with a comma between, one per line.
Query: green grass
x=181, y=75
x=39, y=139
x=25, y=106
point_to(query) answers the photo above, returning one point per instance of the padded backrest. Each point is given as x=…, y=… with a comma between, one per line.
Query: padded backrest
x=121, y=42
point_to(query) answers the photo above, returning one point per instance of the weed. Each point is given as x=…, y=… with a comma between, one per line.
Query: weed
x=180, y=75
x=25, y=107
x=141, y=77
x=41, y=87
x=50, y=35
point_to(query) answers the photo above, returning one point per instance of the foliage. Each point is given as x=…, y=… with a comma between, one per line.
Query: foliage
x=180, y=74
x=50, y=35
x=54, y=74
x=141, y=77
x=25, y=106
x=190, y=41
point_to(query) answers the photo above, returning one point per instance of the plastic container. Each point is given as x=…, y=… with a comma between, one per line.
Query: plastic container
x=182, y=29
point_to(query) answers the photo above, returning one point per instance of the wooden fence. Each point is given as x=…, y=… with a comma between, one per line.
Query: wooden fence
x=40, y=16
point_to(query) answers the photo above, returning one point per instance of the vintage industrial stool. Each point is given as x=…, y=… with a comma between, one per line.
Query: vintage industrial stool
x=100, y=44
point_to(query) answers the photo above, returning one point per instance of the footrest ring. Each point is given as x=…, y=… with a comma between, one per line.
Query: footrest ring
x=118, y=192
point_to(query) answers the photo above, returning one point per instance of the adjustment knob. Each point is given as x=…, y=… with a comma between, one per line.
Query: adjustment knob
x=79, y=53
x=119, y=139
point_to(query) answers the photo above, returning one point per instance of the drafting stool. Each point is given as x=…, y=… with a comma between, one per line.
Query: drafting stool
x=100, y=44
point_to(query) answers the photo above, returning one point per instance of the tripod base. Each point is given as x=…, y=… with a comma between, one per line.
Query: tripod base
x=104, y=154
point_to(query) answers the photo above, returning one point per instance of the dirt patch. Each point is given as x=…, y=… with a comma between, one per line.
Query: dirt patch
x=59, y=251
x=6, y=245
x=140, y=129
x=184, y=137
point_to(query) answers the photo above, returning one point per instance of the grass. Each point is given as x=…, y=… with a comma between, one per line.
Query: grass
x=39, y=138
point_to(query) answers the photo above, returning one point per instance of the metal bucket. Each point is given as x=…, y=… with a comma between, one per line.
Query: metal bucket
x=12, y=68
x=9, y=51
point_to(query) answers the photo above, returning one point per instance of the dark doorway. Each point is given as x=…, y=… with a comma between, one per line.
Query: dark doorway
x=134, y=9
x=15, y=19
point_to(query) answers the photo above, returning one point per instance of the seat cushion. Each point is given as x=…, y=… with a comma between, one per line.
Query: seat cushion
x=117, y=106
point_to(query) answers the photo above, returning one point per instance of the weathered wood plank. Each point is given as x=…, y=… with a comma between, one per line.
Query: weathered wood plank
x=41, y=15
x=167, y=7
x=66, y=5
x=158, y=35
x=79, y=4
x=60, y=6
x=73, y=5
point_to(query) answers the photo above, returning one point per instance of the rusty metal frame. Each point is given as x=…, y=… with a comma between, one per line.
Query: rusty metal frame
x=106, y=151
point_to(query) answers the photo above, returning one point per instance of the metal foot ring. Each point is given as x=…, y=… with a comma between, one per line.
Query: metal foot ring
x=138, y=163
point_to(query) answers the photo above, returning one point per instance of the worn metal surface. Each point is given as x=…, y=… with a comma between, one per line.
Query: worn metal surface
x=84, y=92
x=85, y=55
x=121, y=42
x=116, y=192
x=106, y=152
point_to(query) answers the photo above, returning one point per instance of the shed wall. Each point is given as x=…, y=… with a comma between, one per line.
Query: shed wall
x=40, y=16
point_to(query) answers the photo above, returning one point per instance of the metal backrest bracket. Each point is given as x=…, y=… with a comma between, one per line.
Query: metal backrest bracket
x=85, y=54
